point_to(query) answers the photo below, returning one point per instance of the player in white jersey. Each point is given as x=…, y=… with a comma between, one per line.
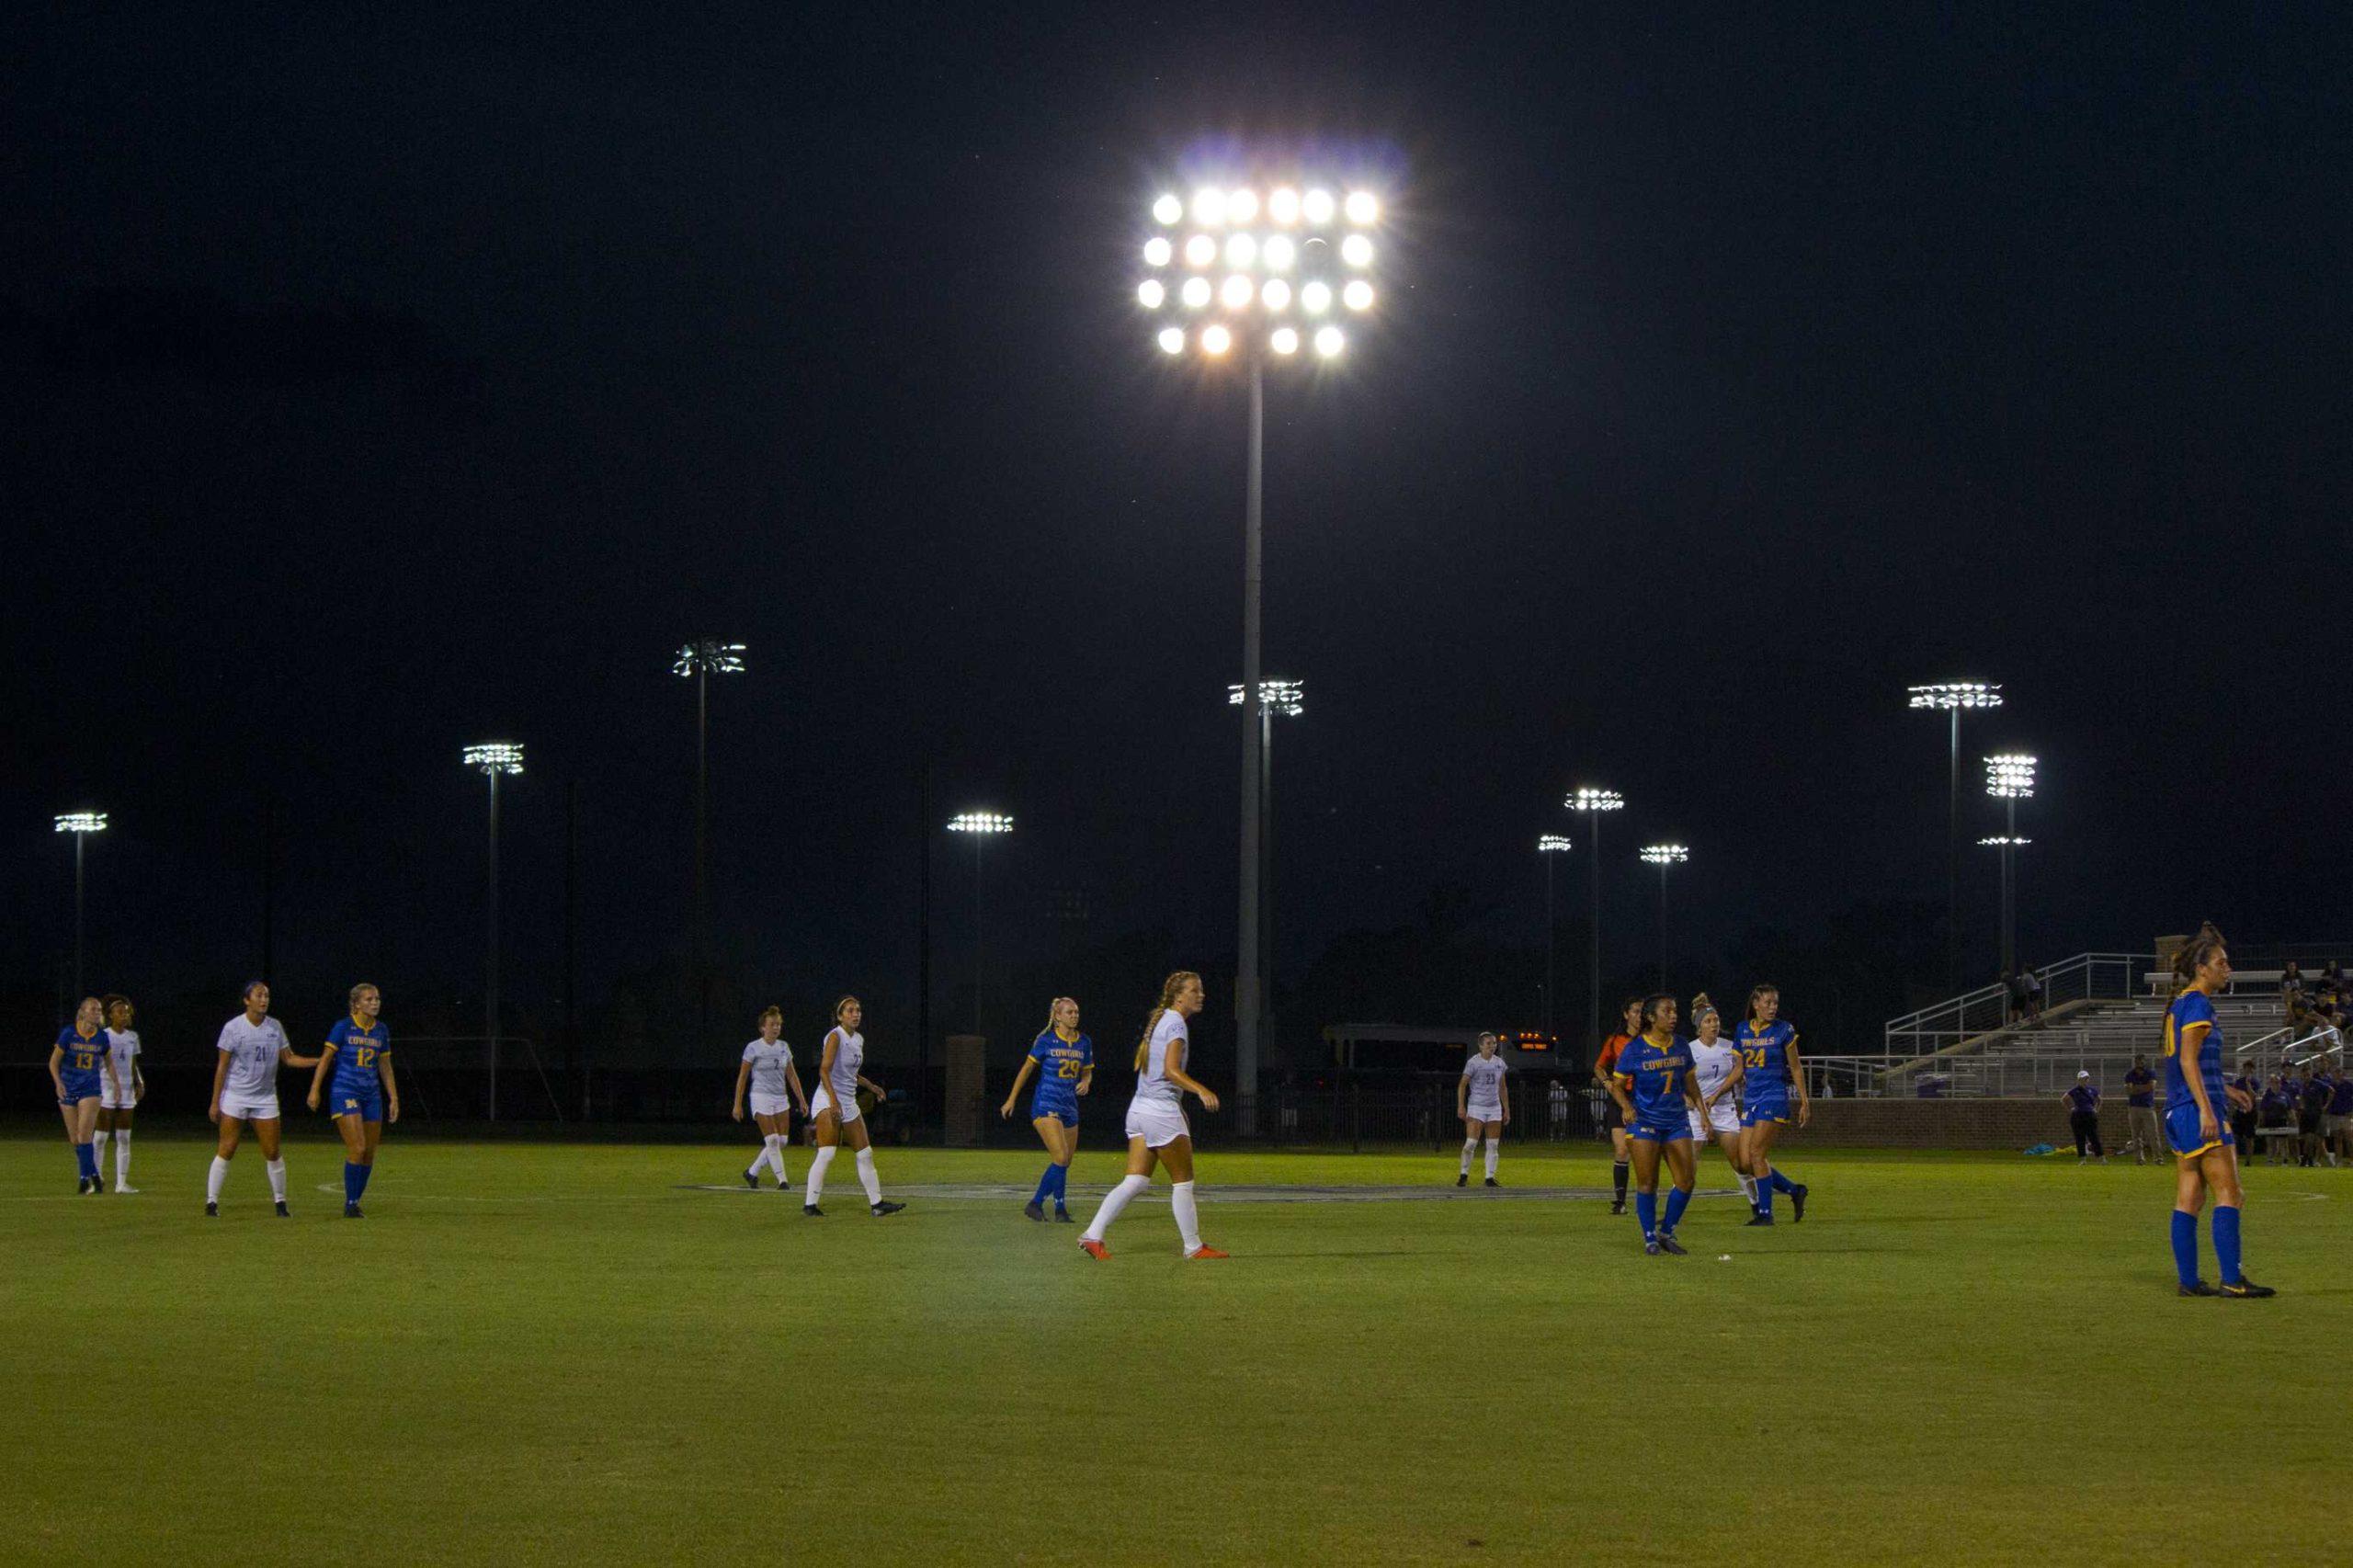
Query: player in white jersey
x=1483, y=1101
x=123, y=1092
x=1157, y=1132
x=245, y=1089
x=1715, y=1065
x=769, y=1072
x=834, y=1111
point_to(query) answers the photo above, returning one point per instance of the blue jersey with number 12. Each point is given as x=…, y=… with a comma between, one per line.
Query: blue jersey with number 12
x=356, y=1050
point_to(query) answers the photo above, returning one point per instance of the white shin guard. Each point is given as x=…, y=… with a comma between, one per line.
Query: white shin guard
x=866, y=1178
x=1189, y=1216
x=816, y=1186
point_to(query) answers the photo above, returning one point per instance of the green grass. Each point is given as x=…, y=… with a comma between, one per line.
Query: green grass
x=552, y=1353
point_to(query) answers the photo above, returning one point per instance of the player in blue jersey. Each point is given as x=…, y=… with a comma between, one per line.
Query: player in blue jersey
x=364, y=1095
x=1771, y=1076
x=83, y=1069
x=2206, y=1155
x=1656, y=1092
x=1063, y=1060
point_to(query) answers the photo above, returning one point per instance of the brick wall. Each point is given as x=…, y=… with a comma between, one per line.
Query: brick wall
x=1947, y=1124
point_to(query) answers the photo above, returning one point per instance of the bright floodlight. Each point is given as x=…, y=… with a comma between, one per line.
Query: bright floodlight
x=1666, y=853
x=1315, y=297
x=1171, y=339
x=1238, y=291
x=1592, y=800
x=1285, y=341
x=1358, y=295
x=1316, y=207
x=706, y=657
x=1157, y=251
x=495, y=757
x=1241, y=250
x=1275, y=294
x=1956, y=694
x=1279, y=253
x=1201, y=251
x=1197, y=293
x=1357, y=251
x=1553, y=843
x=1328, y=341
x=2009, y=777
x=1282, y=206
x=1242, y=206
x=980, y=822
x=81, y=822
x=1167, y=209
x=1288, y=697
x=1150, y=294
x=2001, y=839
x=1209, y=208
x=1215, y=339
x=1364, y=208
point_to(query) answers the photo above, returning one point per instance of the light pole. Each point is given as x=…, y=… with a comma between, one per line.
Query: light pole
x=982, y=826
x=1288, y=697
x=1663, y=856
x=492, y=758
x=81, y=824
x=1951, y=697
x=2009, y=779
x=1549, y=845
x=698, y=660
x=1594, y=804
x=1242, y=271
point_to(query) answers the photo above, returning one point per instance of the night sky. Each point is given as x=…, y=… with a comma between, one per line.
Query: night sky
x=376, y=384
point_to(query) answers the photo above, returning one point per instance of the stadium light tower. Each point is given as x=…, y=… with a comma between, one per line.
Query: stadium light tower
x=2009, y=779
x=1549, y=846
x=1951, y=697
x=491, y=759
x=1252, y=271
x=81, y=824
x=982, y=826
x=1663, y=856
x=1594, y=804
x=1289, y=699
x=698, y=660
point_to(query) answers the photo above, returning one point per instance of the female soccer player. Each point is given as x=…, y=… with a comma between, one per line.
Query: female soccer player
x=245, y=1089
x=1156, y=1129
x=1614, y=1119
x=834, y=1111
x=1483, y=1102
x=1063, y=1060
x=1655, y=1090
x=2206, y=1156
x=767, y=1070
x=359, y=1050
x=1716, y=1065
x=83, y=1072
x=1770, y=1070
x=122, y=1091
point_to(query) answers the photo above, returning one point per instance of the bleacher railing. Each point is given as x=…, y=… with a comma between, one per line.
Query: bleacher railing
x=2086, y=977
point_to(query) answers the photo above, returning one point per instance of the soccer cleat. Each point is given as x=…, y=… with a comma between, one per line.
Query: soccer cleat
x=1651, y=1248
x=1669, y=1246
x=281, y=1210
x=2247, y=1289
x=752, y=1180
x=80, y=1186
x=1062, y=1217
x=97, y=1184
x=1762, y=1220
x=784, y=1184
x=1797, y=1202
x=1092, y=1248
x=2197, y=1287
x=886, y=1207
x=812, y=1211
x=212, y=1211
x=1462, y=1180
x=1202, y=1254
x=1619, y=1207
x=1036, y=1211
x=1493, y=1182
x=119, y=1189
x=351, y=1212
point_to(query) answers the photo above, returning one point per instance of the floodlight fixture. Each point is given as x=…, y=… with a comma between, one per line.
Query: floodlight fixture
x=1587, y=799
x=980, y=822
x=2002, y=840
x=81, y=821
x=1288, y=697
x=1956, y=694
x=1551, y=844
x=495, y=757
x=1666, y=853
x=1253, y=252
x=2010, y=777
x=704, y=657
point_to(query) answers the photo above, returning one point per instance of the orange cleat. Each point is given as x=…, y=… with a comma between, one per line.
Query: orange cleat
x=1198, y=1254
x=1092, y=1248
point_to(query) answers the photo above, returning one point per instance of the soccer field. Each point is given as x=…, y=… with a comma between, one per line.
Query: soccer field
x=578, y=1355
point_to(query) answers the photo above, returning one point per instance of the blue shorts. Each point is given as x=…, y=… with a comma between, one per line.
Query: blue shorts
x=367, y=1104
x=1066, y=1114
x=2181, y=1129
x=1660, y=1131
x=80, y=1086
x=1772, y=1113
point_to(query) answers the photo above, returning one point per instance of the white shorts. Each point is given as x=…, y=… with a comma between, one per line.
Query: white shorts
x=259, y=1108
x=771, y=1105
x=1158, y=1123
x=825, y=1102
x=1724, y=1115
x=1484, y=1113
x=127, y=1100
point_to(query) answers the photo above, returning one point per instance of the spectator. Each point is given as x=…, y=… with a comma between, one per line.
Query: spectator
x=2013, y=995
x=2312, y=1111
x=2141, y=1113
x=2334, y=972
x=2082, y=1116
x=2338, y=1127
x=2243, y=1092
x=2033, y=985
x=2275, y=1114
x=2291, y=980
x=2301, y=1017
x=1557, y=1100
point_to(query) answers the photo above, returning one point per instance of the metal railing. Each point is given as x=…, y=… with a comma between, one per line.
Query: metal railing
x=2086, y=977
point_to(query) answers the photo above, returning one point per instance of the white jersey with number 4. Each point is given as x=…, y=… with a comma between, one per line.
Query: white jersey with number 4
x=1485, y=1076
x=122, y=1045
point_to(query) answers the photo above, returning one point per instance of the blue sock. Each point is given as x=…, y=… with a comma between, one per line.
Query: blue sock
x=1045, y=1185
x=350, y=1182
x=1061, y=1186
x=1782, y=1183
x=1646, y=1210
x=1677, y=1202
x=1764, y=1197
x=86, y=1159
x=2226, y=1240
x=2185, y=1242
x=366, y=1172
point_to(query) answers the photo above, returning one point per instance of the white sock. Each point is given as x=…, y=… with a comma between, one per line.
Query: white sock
x=1748, y=1189
x=214, y=1178
x=817, y=1188
x=760, y=1162
x=1495, y=1153
x=122, y=1156
x=775, y=1157
x=1113, y=1201
x=1189, y=1216
x=866, y=1178
x=1470, y=1147
x=98, y=1150
x=276, y=1169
